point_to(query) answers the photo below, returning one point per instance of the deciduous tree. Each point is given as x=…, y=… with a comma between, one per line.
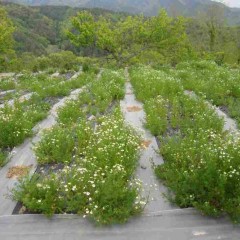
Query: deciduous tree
x=128, y=37
x=6, y=31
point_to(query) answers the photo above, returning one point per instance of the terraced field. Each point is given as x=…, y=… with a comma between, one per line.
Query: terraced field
x=86, y=145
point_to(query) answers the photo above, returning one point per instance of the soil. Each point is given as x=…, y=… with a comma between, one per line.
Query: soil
x=224, y=109
x=52, y=100
x=134, y=109
x=46, y=169
x=18, y=171
x=145, y=144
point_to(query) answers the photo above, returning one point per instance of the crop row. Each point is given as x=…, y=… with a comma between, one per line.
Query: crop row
x=218, y=84
x=93, y=156
x=201, y=161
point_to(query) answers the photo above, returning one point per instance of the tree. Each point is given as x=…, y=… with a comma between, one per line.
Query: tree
x=128, y=37
x=6, y=31
x=214, y=21
x=6, y=39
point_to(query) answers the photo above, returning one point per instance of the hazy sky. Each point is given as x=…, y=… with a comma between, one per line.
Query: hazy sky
x=231, y=3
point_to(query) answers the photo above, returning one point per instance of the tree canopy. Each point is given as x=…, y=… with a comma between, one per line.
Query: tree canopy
x=128, y=37
x=6, y=31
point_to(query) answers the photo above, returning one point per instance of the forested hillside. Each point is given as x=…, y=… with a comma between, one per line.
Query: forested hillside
x=147, y=7
x=39, y=30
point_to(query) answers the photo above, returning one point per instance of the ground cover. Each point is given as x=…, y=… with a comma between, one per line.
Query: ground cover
x=87, y=161
x=201, y=161
x=218, y=84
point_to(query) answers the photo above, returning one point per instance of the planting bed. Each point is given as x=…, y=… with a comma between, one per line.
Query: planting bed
x=201, y=160
x=87, y=161
x=106, y=155
x=152, y=190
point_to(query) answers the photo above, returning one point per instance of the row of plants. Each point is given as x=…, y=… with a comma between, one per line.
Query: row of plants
x=201, y=166
x=18, y=120
x=96, y=156
x=218, y=84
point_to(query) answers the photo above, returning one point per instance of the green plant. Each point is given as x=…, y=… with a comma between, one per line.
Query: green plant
x=201, y=165
x=98, y=184
x=56, y=146
x=202, y=169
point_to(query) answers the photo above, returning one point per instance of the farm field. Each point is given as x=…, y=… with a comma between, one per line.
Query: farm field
x=116, y=124
x=87, y=160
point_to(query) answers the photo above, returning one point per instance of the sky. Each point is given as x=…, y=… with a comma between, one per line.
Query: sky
x=231, y=3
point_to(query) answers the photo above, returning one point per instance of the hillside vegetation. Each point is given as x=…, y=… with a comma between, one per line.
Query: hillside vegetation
x=42, y=30
x=147, y=7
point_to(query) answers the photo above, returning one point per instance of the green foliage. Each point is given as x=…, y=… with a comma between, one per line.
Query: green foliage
x=201, y=161
x=128, y=37
x=100, y=156
x=203, y=171
x=6, y=39
x=96, y=186
x=121, y=38
x=156, y=119
x=85, y=24
x=6, y=31
x=56, y=145
x=16, y=122
x=219, y=84
x=3, y=157
x=7, y=84
x=212, y=38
